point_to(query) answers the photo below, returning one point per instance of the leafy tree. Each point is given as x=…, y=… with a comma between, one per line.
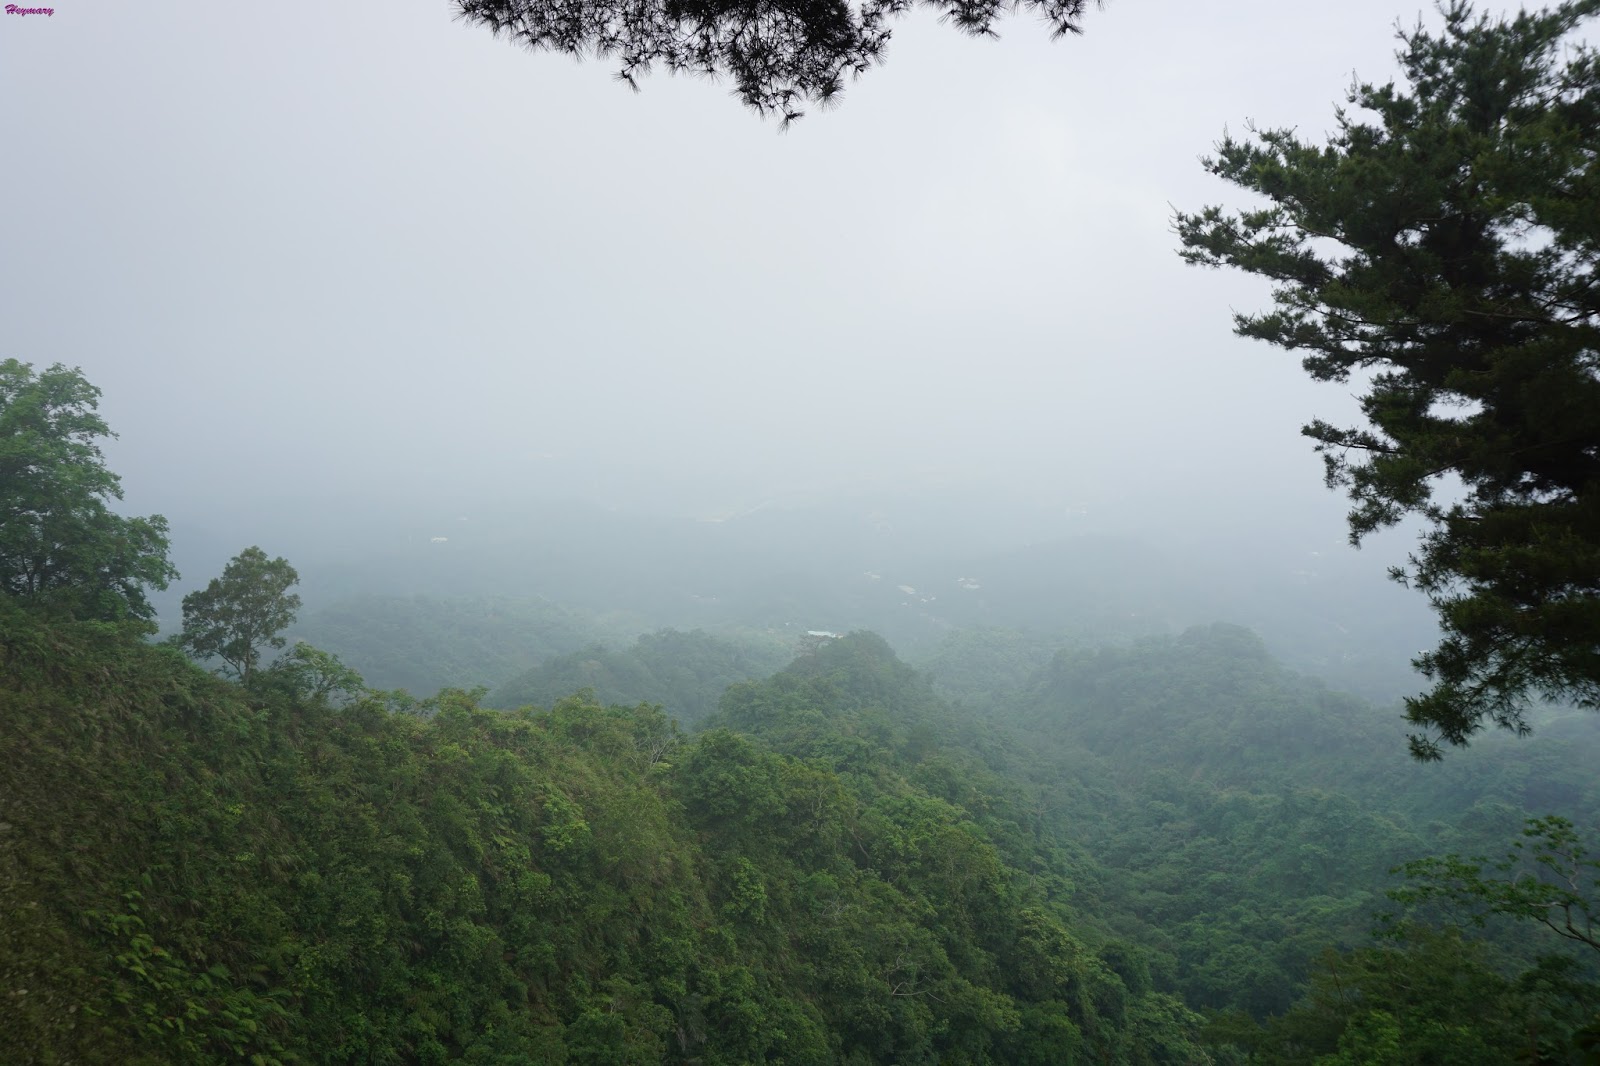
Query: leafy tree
x=314, y=675
x=1425, y=996
x=779, y=55
x=1555, y=882
x=61, y=547
x=242, y=612
x=1445, y=252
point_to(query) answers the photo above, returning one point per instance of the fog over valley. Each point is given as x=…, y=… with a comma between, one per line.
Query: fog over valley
x=336, y=313
x=982, y=534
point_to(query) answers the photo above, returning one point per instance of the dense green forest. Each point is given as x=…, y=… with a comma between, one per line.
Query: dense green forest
x=425, y=643
x=685, y=673
x=196, y=872
x=753, y=845
x=816, y=791
x=1157, y=853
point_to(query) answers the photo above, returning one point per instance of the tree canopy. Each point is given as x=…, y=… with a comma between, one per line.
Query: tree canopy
x=1442, y=254
x=242, y=612
x=1554, y=882
x=62, y=548
x=780, y=54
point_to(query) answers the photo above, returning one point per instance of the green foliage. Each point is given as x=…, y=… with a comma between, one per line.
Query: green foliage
x=1232, y=820
x=1551, y=880
x=685, y=673
x=842, y=868
x=979, y=665
x=311, y=675
x=940, y=829
x=61, y=548
x=193, y=871
x=1426, y=997
x=424, y=643
x=1211, y=700
x=438, y=882
x=1445, y=251
x=242, y=612
x=164, y=1002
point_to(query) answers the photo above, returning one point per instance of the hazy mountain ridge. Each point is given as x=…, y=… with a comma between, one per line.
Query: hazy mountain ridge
x=611, y=576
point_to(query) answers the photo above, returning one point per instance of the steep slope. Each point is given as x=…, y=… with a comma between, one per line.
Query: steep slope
x=193, y=873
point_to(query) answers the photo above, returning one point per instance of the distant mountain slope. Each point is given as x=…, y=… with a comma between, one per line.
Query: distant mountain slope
x=1188, y=795
x=192, y=872
x=686, y=673
x=910, y=567
x=425, y=643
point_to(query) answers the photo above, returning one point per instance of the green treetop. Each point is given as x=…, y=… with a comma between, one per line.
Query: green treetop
x=1441, y=250
x=62, y=549
x=241, y=613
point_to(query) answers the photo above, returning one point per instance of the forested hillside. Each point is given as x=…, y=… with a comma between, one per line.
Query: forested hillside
x=702, y=609
x=426, y=643
x=841, y=867
x=1243, y=818
x=1163, y=850
x=685, y=673
x=194, y=872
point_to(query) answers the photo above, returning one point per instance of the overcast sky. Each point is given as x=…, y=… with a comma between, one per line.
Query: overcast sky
x=360, y=251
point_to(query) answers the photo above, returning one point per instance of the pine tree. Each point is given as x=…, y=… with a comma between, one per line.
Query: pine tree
x=780, y=55
x=1442, y=252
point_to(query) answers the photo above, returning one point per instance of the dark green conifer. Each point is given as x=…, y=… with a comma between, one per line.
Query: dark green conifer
x=1440, y=251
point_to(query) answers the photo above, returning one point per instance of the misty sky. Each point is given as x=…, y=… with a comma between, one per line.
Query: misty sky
x=322, y=256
